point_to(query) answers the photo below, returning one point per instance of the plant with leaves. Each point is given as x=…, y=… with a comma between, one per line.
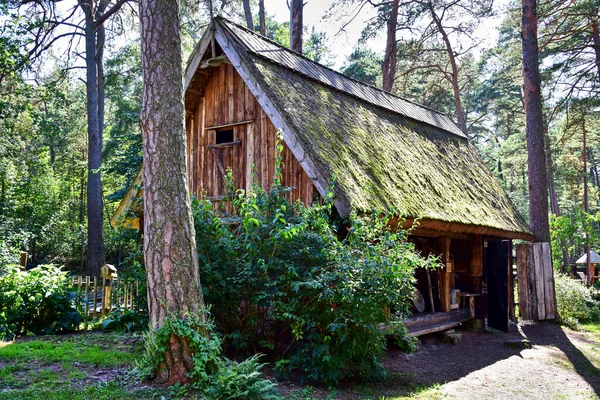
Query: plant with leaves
x=279, y=280
x=212, y=376
x=39, y=301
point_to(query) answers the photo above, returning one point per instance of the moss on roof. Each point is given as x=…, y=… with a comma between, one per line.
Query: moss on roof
x=382, y=159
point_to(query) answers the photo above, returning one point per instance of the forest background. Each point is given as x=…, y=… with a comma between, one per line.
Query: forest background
x=441, y=54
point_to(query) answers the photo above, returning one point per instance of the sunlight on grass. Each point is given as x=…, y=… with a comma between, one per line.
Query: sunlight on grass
x=100, y=392
x=591, y=327
x=49, y=352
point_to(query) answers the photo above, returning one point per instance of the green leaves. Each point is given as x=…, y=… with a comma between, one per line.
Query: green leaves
x=279, y=280
x=38, y=301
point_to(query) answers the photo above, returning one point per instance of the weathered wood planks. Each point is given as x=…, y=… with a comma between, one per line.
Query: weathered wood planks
x=537, y=299
x=229, y=104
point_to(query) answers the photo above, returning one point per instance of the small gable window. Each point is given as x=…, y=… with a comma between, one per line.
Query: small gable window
x=224, y=136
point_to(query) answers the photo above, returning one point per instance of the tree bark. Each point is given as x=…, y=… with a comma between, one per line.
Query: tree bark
x=296, y=25
x=460, y=114
x=261, y=17
x=391, y=50
x=169, y=240
x=596, y=41
x=248, y=15
x=536, y=167
x=95, y=253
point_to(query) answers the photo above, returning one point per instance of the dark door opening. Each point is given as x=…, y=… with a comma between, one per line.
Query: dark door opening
x=496, y=271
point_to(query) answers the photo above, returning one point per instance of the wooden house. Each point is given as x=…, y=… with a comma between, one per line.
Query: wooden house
x=385, y=152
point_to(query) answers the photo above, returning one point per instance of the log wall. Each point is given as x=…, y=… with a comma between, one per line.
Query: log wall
x=229, y=104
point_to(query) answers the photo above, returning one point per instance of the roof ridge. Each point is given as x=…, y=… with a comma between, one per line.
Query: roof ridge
x=330, y=69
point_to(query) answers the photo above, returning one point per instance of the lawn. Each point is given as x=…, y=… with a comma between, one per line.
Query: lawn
x=71, y=367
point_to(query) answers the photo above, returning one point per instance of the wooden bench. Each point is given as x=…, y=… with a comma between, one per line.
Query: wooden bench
x=470, y=298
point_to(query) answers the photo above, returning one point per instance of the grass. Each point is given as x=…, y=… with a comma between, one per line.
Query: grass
x=593, y=327
x=71, y=367
x=50, y=351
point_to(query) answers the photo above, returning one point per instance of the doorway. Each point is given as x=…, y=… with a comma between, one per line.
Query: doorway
x=496, y=270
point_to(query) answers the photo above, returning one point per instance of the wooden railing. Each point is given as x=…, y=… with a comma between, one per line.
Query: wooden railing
x=97, y=296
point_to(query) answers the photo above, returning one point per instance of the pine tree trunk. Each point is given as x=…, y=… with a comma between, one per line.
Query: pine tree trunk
x=95, y=253
x=169, y=239
x=460, y=114
x=391, y=50
x=596, y=41
x=248, y=15
x=261, y=17
x=536, y=166
x=296, y=25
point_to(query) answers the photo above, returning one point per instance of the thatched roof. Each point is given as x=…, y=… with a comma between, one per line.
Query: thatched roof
x=384, y=151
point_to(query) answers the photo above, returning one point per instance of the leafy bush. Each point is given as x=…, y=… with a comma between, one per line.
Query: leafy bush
x=574, y=301
x=38, y=301
x=279, y=280
x=125, y=321
x=214, y=376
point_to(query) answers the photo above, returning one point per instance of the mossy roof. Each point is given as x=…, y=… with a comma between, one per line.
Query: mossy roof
x=381, y=158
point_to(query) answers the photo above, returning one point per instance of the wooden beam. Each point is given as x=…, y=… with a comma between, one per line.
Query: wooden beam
x=443, y=227
x=289, y=137
x=477, y=256
x=223, y=145
x=219, y=162
x=249, y=155
x=230, y=125
x=445, y=275
x=195, y=58
x=522, y=282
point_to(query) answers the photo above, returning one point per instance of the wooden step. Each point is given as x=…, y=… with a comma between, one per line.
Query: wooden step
x=432, y=328
x=424, y=320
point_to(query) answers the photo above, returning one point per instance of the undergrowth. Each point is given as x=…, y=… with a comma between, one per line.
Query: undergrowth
x=280, y=280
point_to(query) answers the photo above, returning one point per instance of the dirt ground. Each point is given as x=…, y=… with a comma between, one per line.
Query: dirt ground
x=562, y=364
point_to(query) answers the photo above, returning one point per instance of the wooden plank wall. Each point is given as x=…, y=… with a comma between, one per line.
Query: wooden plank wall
x=537, y=300
x=227, y=100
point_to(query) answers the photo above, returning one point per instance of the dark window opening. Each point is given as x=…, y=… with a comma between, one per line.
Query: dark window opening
x=224, y=136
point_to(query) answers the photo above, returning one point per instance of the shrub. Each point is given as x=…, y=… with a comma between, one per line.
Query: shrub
x=279, y=280
x=38, y=301
x=573, y=300
x=214, y=376
x=125, y=321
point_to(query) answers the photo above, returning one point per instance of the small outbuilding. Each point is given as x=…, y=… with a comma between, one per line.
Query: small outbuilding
x=384, y=151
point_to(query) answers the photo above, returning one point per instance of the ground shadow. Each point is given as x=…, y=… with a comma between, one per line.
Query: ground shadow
x=437, y=362
x=549, y=334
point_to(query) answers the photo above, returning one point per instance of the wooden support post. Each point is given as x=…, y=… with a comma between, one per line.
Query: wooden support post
x=430, y=291
x=445, y=275
x=105, y=295
x=511, y=283
x=477, y=262
x=23, y=263
x=95, y=296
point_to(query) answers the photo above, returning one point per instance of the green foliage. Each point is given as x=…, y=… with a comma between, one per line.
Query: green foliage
x=278, y=279
x=214, y=376
x=125, y=321
x=364, y=65
x=38, y=301
x=574, y=301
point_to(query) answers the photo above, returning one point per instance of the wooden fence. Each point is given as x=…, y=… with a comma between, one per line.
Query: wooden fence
x=98, y=295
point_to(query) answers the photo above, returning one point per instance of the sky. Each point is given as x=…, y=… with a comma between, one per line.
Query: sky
x=342, y=44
